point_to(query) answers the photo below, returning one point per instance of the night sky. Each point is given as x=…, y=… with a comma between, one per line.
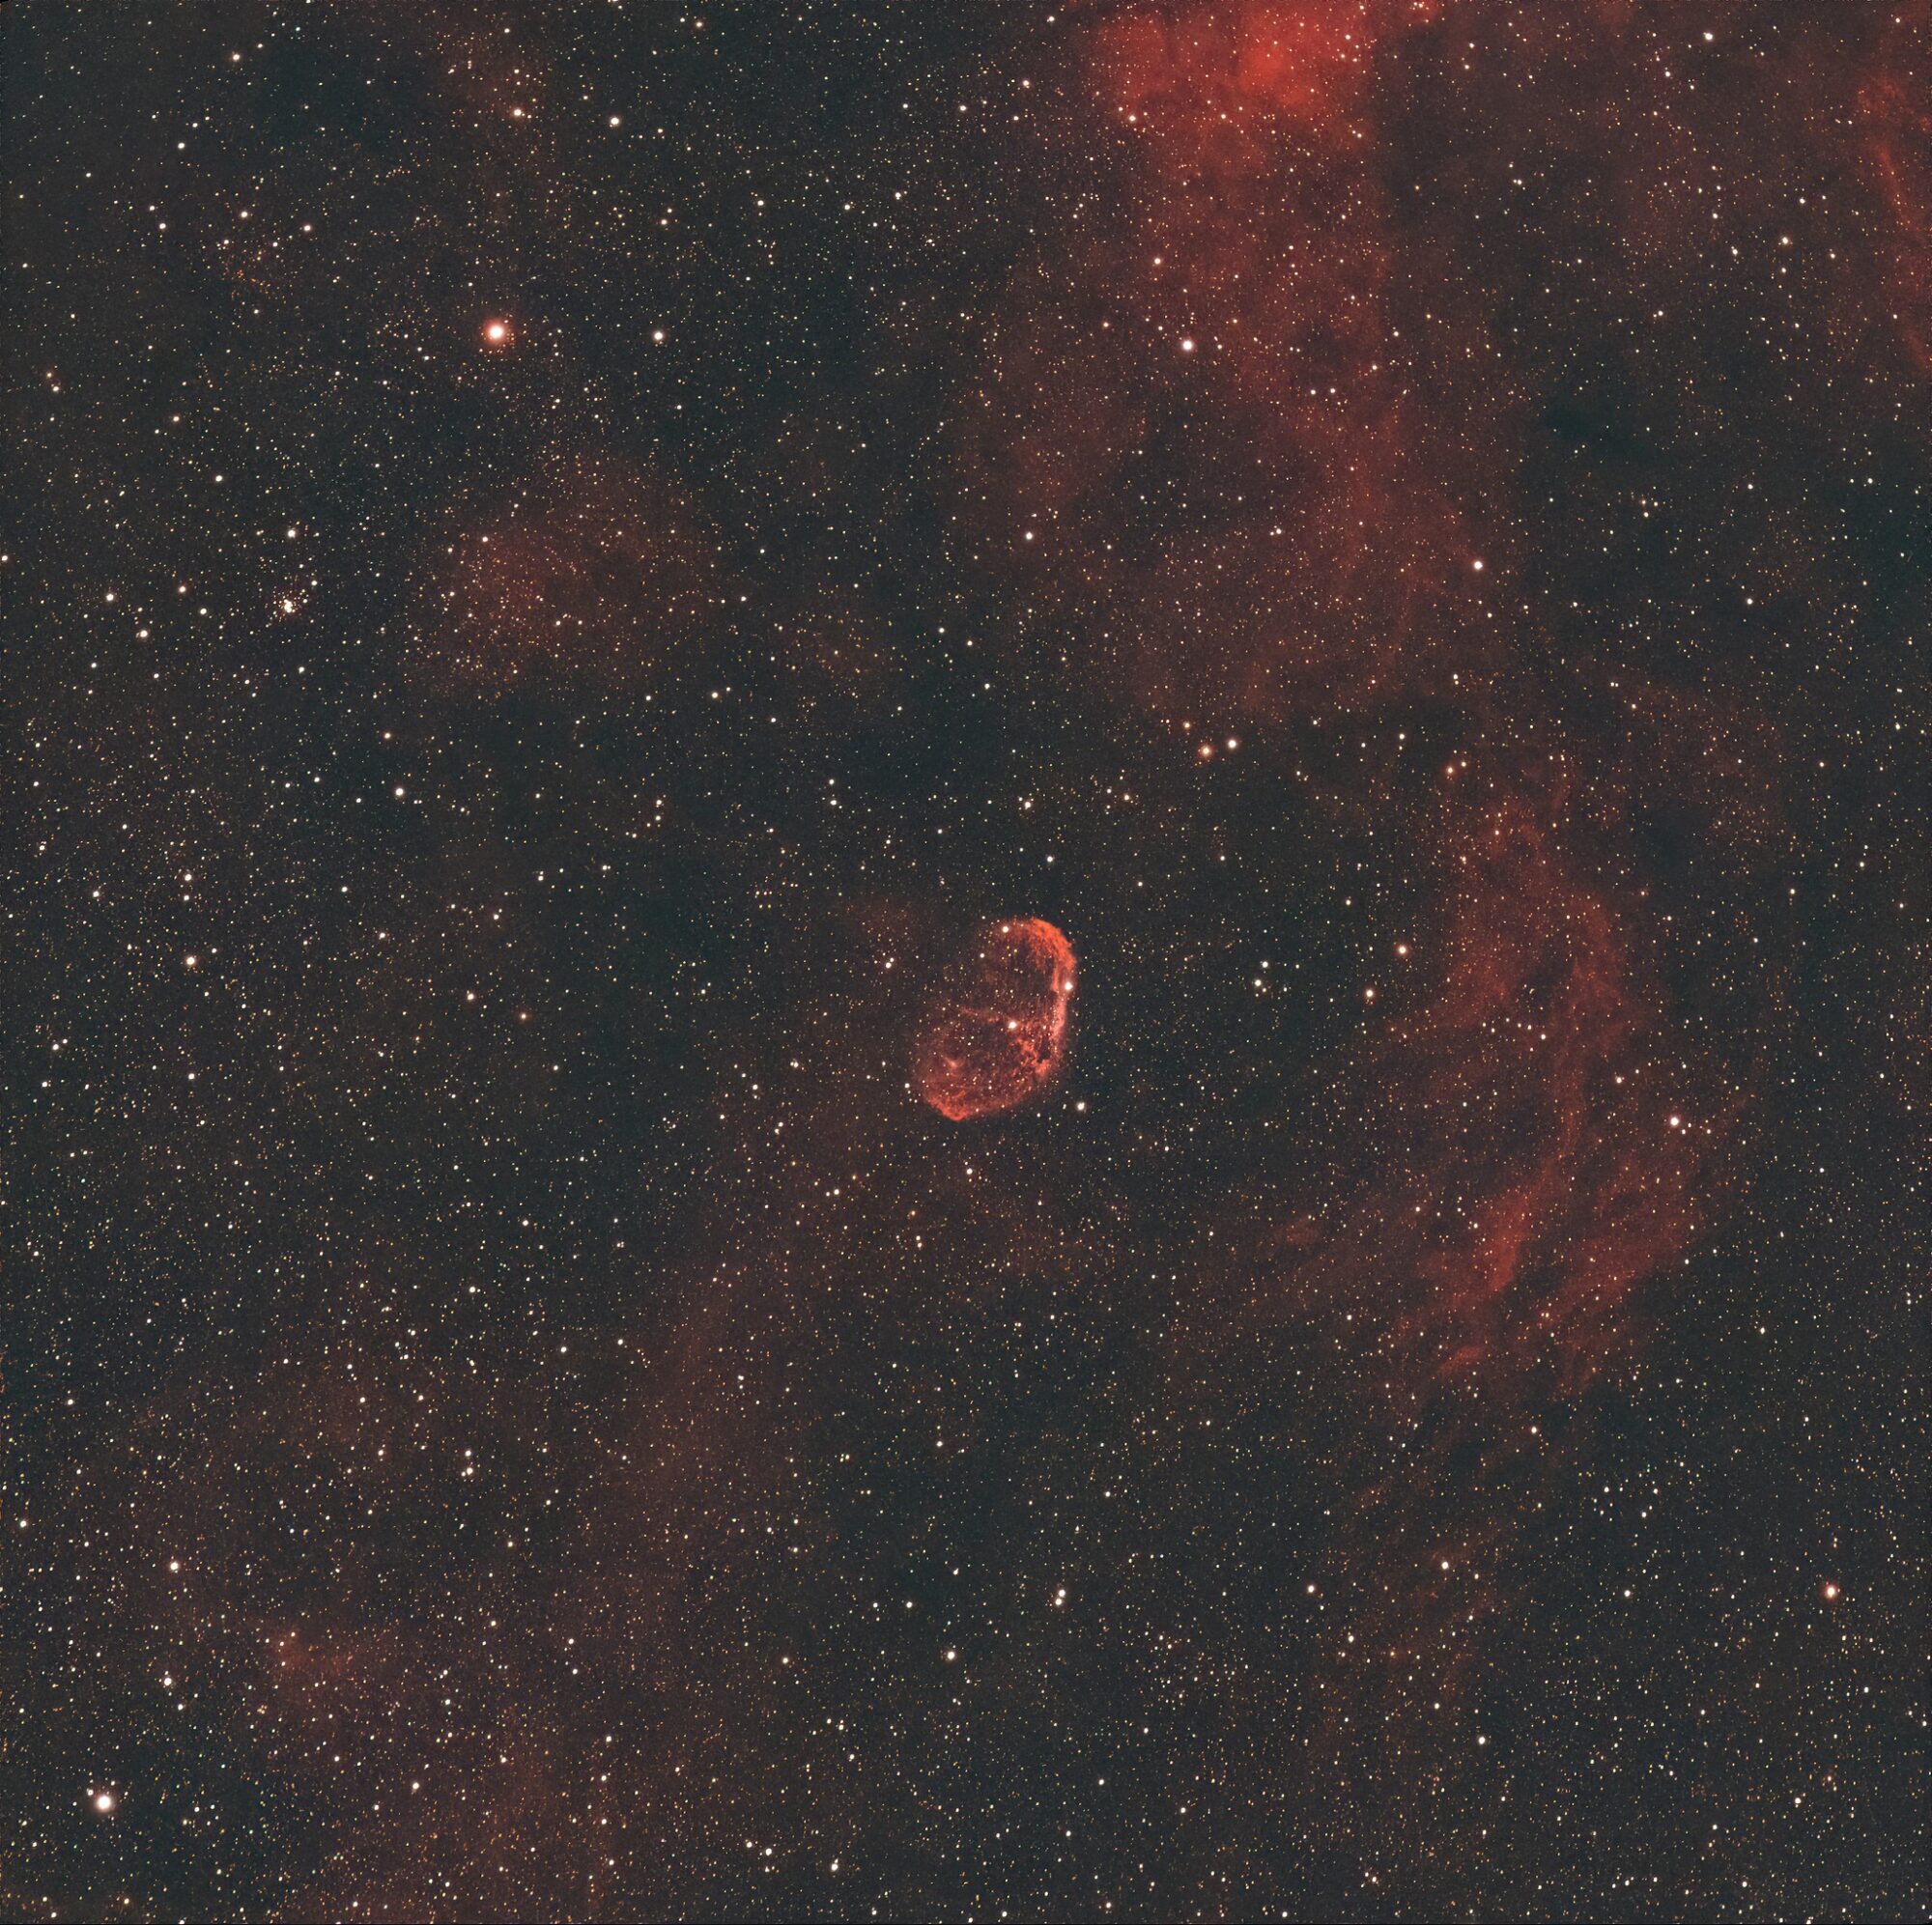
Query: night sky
x=965, y=960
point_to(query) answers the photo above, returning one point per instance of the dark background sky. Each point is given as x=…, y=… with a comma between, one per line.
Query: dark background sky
x=560, y=560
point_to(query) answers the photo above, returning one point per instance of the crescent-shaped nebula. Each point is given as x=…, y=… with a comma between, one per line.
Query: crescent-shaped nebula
x=998, y=1039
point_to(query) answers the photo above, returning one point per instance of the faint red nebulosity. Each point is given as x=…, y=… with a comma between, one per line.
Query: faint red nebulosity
x=1240, y=315
x=1204, y=78
x=1895, y=115
x=1532, y=1146
x=1537, y=1143
x=1241, y=449
x=1557, y=1183
x=587, y=571
x=999, y=1037
x=1541, y=1183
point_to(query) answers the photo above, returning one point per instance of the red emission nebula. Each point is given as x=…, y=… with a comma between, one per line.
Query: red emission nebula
x=999, y=1038
x=588, y=1342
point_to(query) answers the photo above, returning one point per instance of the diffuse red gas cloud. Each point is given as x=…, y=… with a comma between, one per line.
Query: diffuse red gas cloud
x=1895, y=123
x=1241, y=446
x=1210, y=77
x=1232, y=321
x=1554, y=1144
x=586, y=571
x=1253, y=272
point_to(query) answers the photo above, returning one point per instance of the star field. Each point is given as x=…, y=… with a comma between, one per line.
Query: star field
x=965, y=961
